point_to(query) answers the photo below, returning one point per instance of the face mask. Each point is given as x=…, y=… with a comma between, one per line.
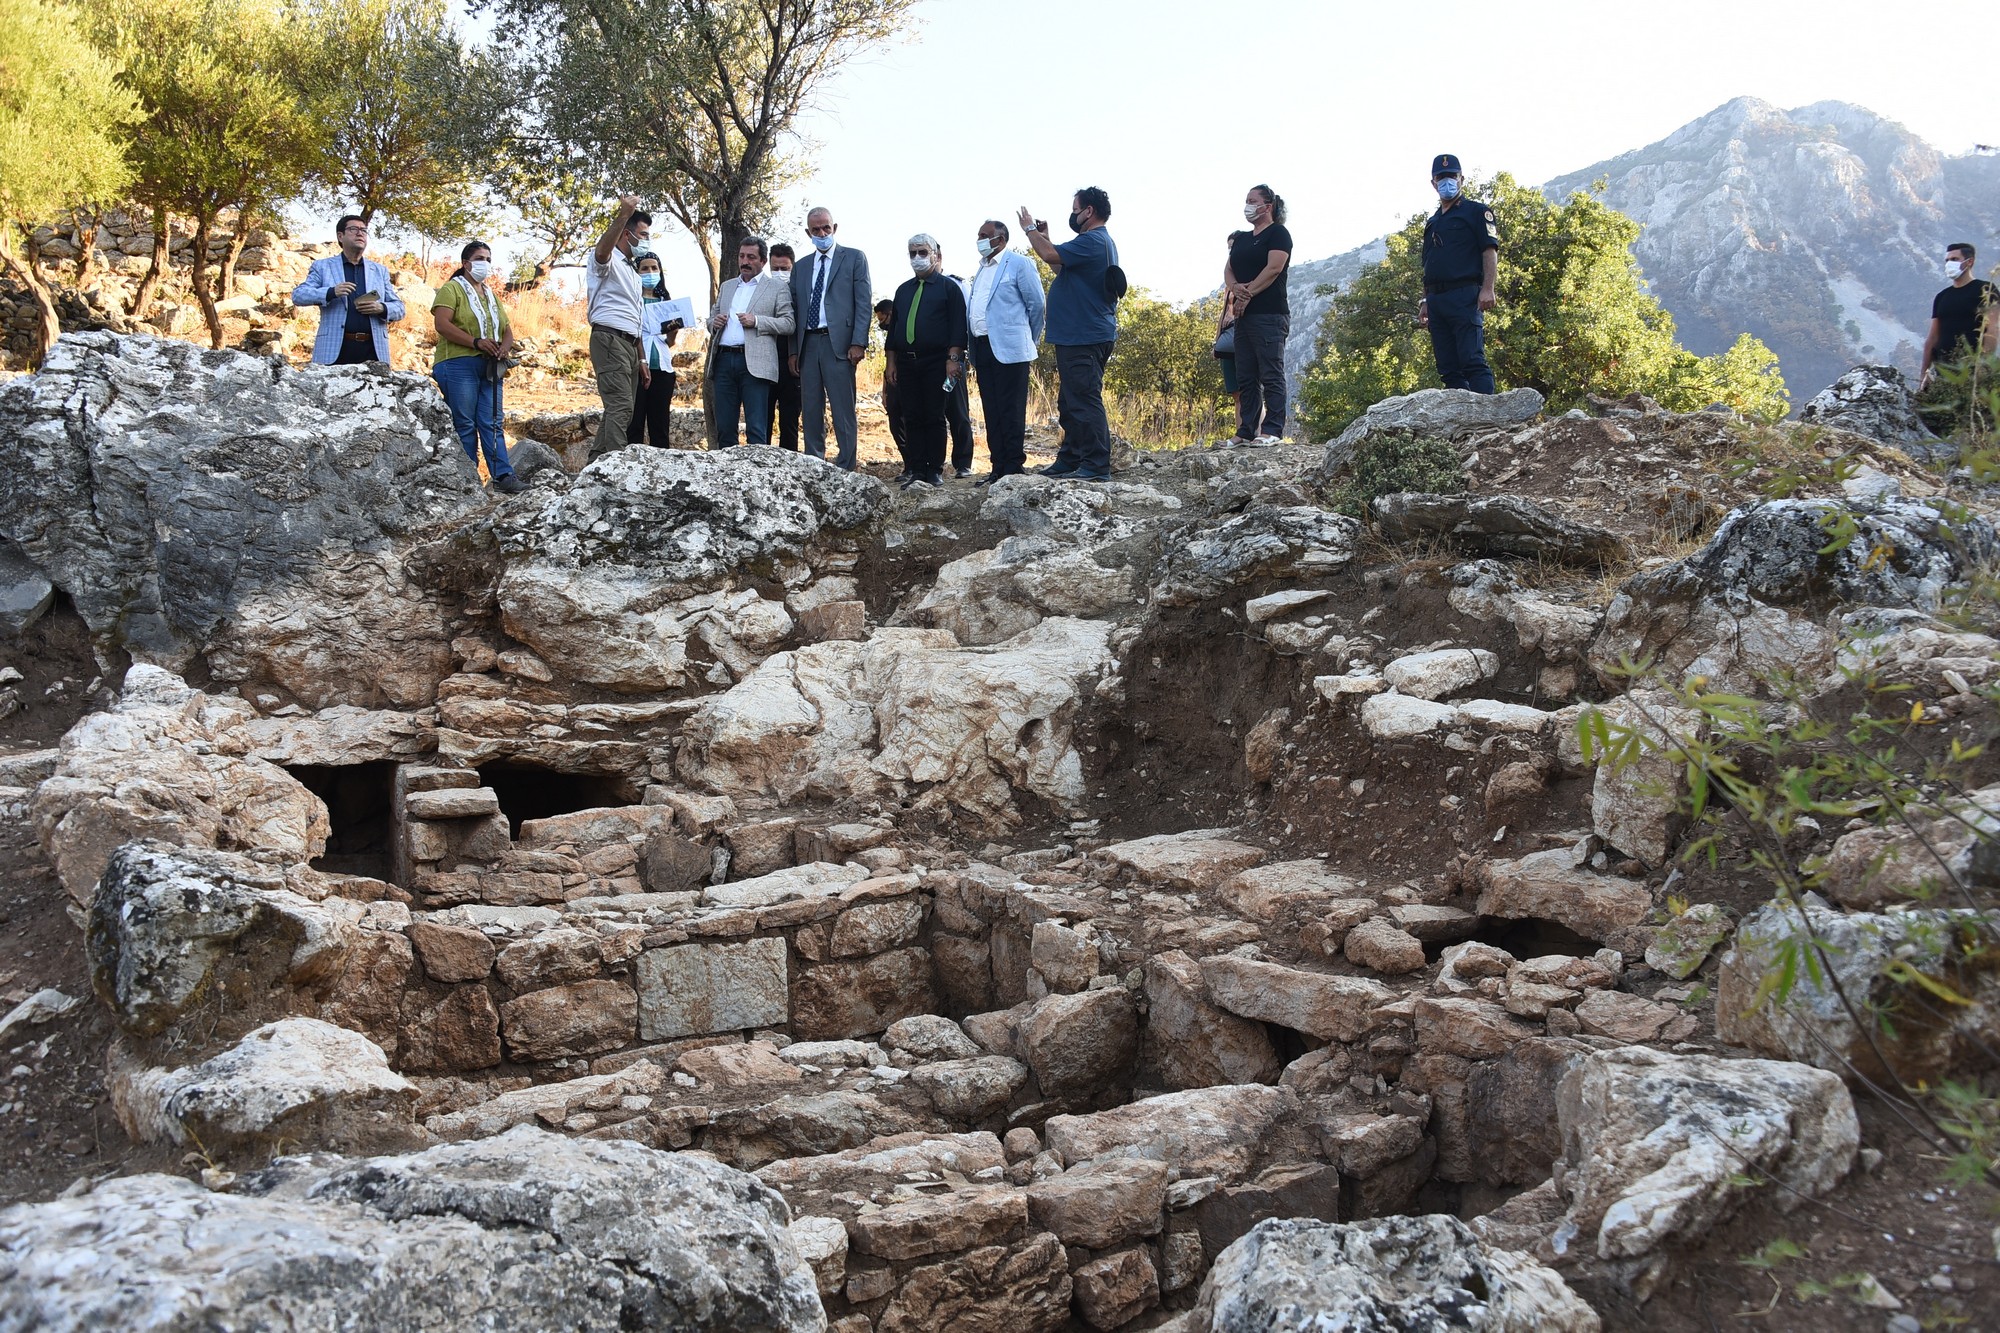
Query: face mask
x=649, y=280
x=481, y=270
x=985, y=248
x=1447, y=188
x=920, y=263
x=1250, y=212
x=1952, y=268
x=823, y=243
x=1076, y=223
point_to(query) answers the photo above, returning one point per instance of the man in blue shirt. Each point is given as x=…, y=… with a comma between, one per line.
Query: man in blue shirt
x=1083, y=328
x=356, y=302
x=1461, y=261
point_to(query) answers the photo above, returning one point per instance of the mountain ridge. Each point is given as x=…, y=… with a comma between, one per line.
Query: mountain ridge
x=1819, y=229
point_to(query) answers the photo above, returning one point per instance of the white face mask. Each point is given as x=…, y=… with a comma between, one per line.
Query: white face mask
x=480, y=269
x=920, y=263
x=1250, y=212
x=1952, y=268
x=985, y=248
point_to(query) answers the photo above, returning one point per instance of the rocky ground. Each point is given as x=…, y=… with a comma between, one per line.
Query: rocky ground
x=716, y=891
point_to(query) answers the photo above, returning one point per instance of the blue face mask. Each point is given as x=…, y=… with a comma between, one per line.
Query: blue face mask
x=649, y=280
x=823, y=243
x=1447, y=188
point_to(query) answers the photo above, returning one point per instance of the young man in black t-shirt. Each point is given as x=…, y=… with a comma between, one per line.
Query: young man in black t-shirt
x=1964, y=317
x=1254, y=280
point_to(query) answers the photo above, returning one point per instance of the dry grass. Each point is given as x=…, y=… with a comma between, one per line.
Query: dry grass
x=540, y=314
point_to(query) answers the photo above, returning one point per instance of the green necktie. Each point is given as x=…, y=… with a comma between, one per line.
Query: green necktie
x=910, y=324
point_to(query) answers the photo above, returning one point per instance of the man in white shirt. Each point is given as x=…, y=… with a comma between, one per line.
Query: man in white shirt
x=1004, y=318
x=752, y=313
x=613, y=308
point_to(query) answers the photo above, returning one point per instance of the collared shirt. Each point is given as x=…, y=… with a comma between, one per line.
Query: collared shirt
x=1456, y=240
x=984, y=279
x=616, y=295
x=733, y=330
x=1081, y=313
x=356, y=273
x=822, y=274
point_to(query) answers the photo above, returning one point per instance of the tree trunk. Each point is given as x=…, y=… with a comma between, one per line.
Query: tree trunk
x=709, y=257
x=86, y=245
x=199, y=279
x=225, y=280
x=367, y=215
x=149, y=286
x=21, y=263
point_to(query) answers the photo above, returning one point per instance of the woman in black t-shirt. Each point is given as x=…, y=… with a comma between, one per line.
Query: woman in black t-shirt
x=1254, y=280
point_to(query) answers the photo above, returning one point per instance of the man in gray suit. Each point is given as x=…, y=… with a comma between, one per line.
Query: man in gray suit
x=835, y=305
x=752, y=312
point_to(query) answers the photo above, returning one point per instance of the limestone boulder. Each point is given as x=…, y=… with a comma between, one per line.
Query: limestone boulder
x=970, y=1090
x=1636, y=807
x=1196, y=859
x=1102, y=1204
x=1194, y=1043
x=1754, y=598
x=160, y=764
x=1022, y=1287
x=1658, y=1147
x=1439, y=413
x=1550, y=886
x=1217, y=1132
x=576, y=1232
x=1265, y=541
x=834, y=1001
x=267, y=516
x=907, y=710
x=1388, y=1273
x=296, y=1081
x=1333, y=1008
x=1083, y=1047
x=1441, y=672
x=1504, y=525
x=996, y=593
x=1875, y=401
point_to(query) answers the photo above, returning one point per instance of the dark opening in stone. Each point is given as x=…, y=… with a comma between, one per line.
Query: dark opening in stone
x=529, y=791
x=1532, y=937
x=358, y=800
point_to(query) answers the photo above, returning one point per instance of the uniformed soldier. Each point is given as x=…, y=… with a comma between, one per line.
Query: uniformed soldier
x=1461, y=258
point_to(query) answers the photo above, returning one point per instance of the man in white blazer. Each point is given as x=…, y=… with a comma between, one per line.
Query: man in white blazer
x=1005, y=317
x=752, y=312
x=835, y=302
x=357, y=303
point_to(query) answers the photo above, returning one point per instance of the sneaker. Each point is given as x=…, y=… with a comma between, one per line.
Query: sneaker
x=1091, y=476
x=509, y=484
x=1058, y=470
x=961, y=472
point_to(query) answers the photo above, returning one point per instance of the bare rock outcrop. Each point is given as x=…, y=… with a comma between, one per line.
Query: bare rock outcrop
x=558, y=1231
x=1875, y=401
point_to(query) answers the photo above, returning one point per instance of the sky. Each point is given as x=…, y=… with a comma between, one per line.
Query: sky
x=1176, y=109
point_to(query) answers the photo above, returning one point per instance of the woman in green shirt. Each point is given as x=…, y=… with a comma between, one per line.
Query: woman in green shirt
x=654, y=410
x=474, y=340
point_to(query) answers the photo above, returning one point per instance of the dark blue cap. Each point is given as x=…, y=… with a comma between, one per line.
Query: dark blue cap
x=1445, y=164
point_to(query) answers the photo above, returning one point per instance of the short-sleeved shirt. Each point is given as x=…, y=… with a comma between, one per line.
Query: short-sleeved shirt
x=1079, y=311
x=452, y=296
x=1960, y=313
x=1249, y=252
x=616, y=294
x=1456, y=240
x=358, y=275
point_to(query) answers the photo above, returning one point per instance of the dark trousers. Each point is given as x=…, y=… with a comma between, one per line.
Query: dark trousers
x=785, y=405
x=1260, y=374
x=737, y=391
x=1003, y=396
x=920, y=393
x=958, y=416
x=653, y=411
x=892, y=408
x=1086, y=441
x=1458, y=338
x=355, y=351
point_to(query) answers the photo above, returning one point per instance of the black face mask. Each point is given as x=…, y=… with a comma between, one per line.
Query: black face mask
x=1076, y=222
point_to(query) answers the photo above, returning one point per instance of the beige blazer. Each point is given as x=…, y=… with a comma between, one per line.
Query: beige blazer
x=771, y=303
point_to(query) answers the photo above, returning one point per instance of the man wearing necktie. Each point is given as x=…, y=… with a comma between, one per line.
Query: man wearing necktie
x=832, y=291
x=926, y=357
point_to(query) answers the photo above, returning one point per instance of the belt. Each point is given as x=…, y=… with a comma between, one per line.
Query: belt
x=361, y=337
x=1432, y=289
x=616, y=333
x=824, y=333
x=720, y=348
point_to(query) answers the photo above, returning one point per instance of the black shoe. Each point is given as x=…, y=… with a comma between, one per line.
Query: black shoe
x=961, y=472
x=904, y=476
x=986, y=480
x=509, y=484
x=907, y=480
x=1091, y=476
x=934, y=479
x=1057, y=470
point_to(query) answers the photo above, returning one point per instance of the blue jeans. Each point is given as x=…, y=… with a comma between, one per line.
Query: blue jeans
x=475, y=410
x=738, y=393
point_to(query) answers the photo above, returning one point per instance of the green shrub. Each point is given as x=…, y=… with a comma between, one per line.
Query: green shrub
x=1393, y=461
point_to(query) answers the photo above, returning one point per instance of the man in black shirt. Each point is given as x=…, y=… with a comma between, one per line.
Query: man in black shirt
x=926, y=348
x=892, y=405
x=1964, y=316
x=1461, y=261
x=1254, y=280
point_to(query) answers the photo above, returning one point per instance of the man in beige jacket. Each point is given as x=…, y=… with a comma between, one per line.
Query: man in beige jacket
x=751, y=314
